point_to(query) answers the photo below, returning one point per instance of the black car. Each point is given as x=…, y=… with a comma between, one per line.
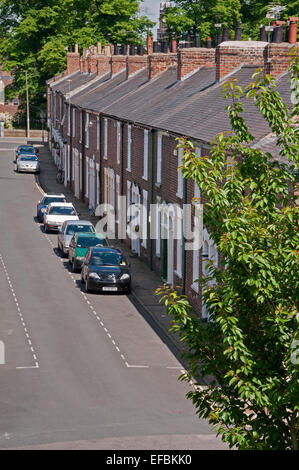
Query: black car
x=105, y=269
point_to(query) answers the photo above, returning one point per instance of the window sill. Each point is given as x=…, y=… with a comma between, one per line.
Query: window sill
x=178, y=274
x=179, y=196
x=158, y=185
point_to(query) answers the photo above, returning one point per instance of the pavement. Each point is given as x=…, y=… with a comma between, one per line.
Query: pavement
x=144, y=281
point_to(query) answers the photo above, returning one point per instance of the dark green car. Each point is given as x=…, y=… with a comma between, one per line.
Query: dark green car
x=79, y=246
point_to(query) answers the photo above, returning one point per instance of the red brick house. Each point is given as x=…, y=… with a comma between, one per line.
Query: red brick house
x=117, y=119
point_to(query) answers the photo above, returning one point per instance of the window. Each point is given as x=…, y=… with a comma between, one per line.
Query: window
x=98, y=133
x=87, y=131
x=159, y=159
x=74, y=122
x=106, y=138
x=80, y=126
x=118, y=143
x=158, y=228
x=196, y=187
x=179, y=246
x=129, y=147
x=180, y=175
x=69, y=120
x=145, y=155
x=144, y=219
x=86, y=177
x=128, y=198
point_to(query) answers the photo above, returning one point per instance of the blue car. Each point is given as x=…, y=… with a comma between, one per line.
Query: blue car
x=47, y=199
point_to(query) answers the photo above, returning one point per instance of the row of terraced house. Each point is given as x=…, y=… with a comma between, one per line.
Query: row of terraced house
x=114, y=120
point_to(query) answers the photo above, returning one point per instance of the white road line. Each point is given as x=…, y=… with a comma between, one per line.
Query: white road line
x=21, y=317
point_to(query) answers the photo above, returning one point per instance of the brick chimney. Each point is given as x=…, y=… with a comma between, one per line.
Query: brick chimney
x=136, y=63
x=293, y=29
x=159, y=62
x=277, y=59
x=233, y=54
x=73, y=61
x=118, y=63
x=103, y=64
x=190, y=60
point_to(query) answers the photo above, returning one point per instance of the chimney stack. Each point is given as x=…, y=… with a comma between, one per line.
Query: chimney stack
x=158, y=63
x=233, y=54
x=190, y=60
x=73, y=61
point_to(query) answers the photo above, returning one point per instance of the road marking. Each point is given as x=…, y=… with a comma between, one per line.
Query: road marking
x=21, y=317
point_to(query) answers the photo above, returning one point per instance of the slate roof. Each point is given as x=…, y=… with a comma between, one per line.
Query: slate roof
x=110, y=91
x=71, y=82
x=194, y=107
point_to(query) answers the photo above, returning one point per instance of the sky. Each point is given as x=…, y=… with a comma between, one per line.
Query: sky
x=151, y=8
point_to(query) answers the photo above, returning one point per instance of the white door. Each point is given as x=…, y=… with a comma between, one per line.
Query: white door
x=92, y=186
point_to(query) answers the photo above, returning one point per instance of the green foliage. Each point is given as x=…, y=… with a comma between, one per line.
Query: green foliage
x=35, y=35
x=250, y=345
x=201, y=16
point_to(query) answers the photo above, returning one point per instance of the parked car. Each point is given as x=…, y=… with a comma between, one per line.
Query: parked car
x=26, y=149
x=28, y=164
x=47, y=199
x=105, y=269
x=68, y=230
x=57, y=213
x=79, y=245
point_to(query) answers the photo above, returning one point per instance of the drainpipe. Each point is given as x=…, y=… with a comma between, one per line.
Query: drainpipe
x=152, y=193
x=184, y=240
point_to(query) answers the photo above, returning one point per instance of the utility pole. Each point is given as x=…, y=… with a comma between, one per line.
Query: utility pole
x=27, y=101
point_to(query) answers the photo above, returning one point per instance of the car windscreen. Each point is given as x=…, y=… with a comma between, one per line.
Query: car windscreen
x=62, y=211
x=71, y=229
x=86, y=242
x=29, y=158
x=109, y=258
x=48, y=200
x=26, y=149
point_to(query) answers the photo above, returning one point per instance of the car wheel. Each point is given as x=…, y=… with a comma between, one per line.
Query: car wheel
x=58, y=247
x=86, y=286
x=75, y=269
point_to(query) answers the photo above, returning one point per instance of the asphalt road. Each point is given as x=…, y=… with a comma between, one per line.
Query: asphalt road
x=81, y=371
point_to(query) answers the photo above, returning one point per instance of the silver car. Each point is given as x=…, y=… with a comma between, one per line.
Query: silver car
x=28, y=164
x=68, y=229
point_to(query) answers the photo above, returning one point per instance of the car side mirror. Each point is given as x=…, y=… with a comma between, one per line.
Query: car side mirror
x=15, y=161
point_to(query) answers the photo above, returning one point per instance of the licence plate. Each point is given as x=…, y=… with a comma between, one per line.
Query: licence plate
x=110, y=289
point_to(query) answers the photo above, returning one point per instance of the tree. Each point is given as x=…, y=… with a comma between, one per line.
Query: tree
x=250, y=346
x=196, y=16
x=200, y=16
x=35, y=34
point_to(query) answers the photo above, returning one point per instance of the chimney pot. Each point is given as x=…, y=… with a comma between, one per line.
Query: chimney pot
x=132, y=50
x=140, y=50
x=263, y=34
x=149, y=44
x=173, y=45
x=225, y=34
x=293, y=30
x=197, y=41
x=238, y=33
x=115, y=50
x=208, y=43
x=277, y=34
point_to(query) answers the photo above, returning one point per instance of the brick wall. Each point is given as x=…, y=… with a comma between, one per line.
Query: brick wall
x=158, y=63
x=189, y=60
x=73, y=62
x=135, y=63
x=232, y=54
x=277, y=58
